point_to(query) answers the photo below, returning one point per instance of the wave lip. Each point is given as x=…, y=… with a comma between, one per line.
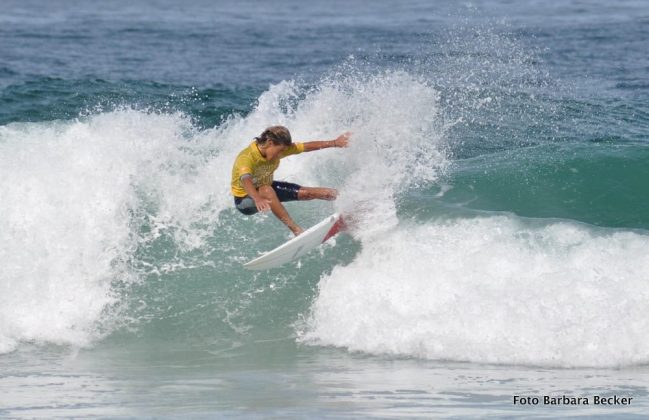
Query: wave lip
x=492, y=290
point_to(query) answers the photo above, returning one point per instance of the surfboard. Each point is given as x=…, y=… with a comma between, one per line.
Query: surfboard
x=300, y=245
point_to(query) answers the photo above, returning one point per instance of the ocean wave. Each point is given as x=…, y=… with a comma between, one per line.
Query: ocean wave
x=500, y=290
x=95, y=206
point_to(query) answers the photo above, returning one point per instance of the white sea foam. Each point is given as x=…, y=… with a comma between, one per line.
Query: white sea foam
x=72, y=193
x=492, y=290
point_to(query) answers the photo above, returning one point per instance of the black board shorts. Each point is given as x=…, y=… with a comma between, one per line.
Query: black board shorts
x=286, y=191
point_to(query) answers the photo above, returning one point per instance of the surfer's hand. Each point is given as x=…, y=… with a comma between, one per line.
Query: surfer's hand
x=262, y=204
x=343, y=139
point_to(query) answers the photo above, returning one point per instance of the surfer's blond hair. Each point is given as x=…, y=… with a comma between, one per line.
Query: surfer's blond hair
x=278, y=134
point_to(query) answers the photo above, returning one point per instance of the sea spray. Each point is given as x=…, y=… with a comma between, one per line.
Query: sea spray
x=396, y=143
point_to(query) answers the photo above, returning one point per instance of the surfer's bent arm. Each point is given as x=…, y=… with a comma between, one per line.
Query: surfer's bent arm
x=340, y=141
x=247, y=184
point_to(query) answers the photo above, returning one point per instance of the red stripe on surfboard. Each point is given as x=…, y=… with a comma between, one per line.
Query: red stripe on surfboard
x=335, y=229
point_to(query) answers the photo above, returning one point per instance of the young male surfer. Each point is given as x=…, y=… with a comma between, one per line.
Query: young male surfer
x=252, y=184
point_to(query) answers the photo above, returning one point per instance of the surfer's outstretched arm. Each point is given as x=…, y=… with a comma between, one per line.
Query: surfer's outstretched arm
x=340, y=141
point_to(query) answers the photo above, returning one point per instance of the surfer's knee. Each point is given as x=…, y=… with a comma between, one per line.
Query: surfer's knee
x=267, y=192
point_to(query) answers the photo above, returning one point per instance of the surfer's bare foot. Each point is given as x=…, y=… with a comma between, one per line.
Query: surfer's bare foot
x=330, y=194
x=297, y=230
x=317, y=193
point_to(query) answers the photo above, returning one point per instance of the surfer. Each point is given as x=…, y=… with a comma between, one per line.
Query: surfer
x=252, y=184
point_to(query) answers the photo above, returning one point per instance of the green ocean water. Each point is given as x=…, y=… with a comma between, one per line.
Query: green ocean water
x=598, y=184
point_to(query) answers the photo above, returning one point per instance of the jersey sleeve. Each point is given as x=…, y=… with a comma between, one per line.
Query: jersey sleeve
x=243, y=165
x=293, y=149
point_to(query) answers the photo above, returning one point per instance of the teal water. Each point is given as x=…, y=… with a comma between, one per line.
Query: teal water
x=495, y=179
x=597, y=184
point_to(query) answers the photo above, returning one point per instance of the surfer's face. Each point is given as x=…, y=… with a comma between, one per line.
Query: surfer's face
x=272, y=150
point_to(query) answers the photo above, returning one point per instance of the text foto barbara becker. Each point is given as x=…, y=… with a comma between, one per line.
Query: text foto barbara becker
x=569, y=400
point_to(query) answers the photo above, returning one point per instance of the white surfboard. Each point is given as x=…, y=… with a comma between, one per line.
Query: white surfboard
x=300, y=245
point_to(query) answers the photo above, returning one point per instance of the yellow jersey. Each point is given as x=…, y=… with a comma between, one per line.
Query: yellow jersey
x=250, y=161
